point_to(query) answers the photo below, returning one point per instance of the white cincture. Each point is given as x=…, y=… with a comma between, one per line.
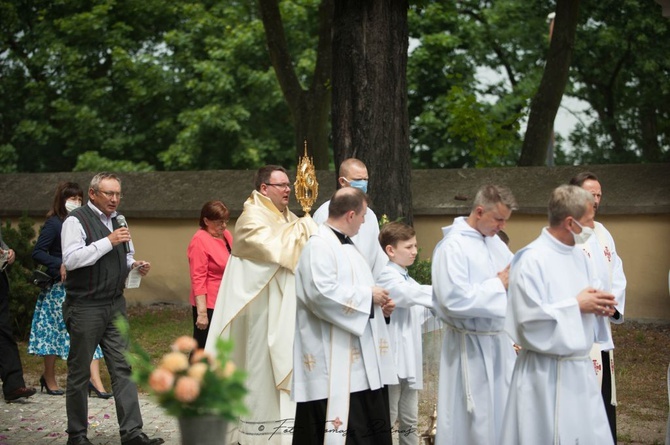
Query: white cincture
x=559, y=361
x=464, y=361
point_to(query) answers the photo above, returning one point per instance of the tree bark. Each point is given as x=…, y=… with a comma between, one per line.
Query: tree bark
x=545, y=104
x=370, y=118
x=310, y=108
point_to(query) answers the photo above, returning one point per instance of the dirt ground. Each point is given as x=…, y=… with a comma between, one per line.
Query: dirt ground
x=642, y=357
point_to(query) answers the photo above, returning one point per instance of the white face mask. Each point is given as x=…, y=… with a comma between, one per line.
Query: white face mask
x=71, y=205
x=581, y=238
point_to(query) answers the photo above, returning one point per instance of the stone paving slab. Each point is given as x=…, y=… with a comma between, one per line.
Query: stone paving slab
x=41, y=420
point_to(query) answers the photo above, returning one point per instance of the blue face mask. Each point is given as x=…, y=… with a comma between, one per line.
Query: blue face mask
x=361, y=184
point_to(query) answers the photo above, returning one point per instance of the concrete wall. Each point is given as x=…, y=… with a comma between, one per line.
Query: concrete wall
x=642, y=242
x=163, y=210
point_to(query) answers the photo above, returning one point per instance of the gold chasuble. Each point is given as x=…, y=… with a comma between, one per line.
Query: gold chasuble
x=256, y=308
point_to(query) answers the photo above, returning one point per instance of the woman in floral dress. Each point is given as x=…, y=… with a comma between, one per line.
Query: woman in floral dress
x=48, y=335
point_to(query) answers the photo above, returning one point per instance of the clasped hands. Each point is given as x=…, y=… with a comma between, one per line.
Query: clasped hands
x=594, y=301
x=380, y=297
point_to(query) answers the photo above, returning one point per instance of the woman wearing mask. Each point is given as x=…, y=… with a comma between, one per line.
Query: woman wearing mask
x=48, y=335
x=208, y=254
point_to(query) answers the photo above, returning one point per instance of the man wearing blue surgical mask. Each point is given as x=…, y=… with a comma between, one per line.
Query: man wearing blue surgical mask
x=354, y=173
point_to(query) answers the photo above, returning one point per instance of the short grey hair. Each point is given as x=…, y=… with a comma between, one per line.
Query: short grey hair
x=489, y=195
x=97, y=179
x=568, y=200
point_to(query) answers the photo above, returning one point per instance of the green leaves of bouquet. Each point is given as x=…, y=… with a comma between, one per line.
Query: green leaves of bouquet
x=188, y=381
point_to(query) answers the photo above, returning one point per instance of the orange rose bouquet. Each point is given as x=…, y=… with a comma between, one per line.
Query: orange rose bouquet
x=190, y=382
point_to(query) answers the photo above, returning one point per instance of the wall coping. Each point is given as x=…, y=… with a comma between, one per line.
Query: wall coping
x=628, y=189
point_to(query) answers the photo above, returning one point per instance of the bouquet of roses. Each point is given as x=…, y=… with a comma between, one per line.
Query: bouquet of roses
x=189, y=381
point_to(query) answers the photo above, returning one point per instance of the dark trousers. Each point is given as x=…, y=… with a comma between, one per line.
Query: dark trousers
x=607, y=393
x=369, y=420
x=200, y=335
x=11, y=371
x=90, y=325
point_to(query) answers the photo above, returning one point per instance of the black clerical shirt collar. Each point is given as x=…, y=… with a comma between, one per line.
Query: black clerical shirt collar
x=344, y=239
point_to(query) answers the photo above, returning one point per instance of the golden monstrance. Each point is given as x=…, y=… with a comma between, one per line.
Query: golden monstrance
x=306, y=187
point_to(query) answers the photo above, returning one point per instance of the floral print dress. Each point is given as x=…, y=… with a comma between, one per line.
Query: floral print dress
x=48, y=335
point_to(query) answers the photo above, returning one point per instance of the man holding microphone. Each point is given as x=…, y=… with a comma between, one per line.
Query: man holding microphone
x=98, y=255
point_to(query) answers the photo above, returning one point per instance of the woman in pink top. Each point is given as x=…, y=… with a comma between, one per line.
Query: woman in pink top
x=208, y=254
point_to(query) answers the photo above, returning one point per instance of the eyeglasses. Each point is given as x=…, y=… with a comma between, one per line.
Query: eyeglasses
x=219, y=222
x=111, y=195
x=280, y=186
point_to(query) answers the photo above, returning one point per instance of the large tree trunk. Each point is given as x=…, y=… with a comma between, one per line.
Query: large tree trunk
x=548, y=97
x=370, y=118
x=310, y=109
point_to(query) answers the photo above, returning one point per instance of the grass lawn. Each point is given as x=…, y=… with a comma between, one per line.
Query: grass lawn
x=154, y=327
x=641, y=360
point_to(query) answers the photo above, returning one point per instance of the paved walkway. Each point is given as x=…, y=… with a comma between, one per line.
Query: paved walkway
x=41, y=420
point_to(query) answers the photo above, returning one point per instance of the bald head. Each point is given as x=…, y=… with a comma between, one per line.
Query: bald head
x=351, y=164
x=353, y=173
x=346, y=211
x=346, y=200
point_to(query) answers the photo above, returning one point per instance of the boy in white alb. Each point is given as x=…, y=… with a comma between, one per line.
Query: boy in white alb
x=412, y=303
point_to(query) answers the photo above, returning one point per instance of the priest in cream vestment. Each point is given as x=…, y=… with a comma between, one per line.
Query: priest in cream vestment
x=342, y=355
x=256, y=307
x=554, y=307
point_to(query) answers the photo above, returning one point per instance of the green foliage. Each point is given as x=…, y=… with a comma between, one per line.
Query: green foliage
x=151, y=85
x=621, y=71
x=8, y=158
x=80, y=76
x=421, y=270
x=470, y=77
x=236, y=116
x=494, y=143
x=91, y=161
x=22, y=293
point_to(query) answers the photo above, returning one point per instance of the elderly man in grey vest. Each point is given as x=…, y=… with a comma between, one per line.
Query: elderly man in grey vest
x=98, y=255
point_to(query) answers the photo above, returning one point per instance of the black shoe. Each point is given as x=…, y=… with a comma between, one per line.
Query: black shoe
x=143, y=439
x=19, y=393
x=99, y=394
x=79, y=440
x=51, y=392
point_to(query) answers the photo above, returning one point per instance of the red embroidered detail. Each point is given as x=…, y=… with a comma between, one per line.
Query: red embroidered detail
x=608, y=254
x=597, y=367
x=337, y=423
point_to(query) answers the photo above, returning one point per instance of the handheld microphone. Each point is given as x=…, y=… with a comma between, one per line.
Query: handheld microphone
x=121, y=221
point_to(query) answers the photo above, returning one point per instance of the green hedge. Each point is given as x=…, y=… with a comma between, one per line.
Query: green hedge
x=22, y=293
